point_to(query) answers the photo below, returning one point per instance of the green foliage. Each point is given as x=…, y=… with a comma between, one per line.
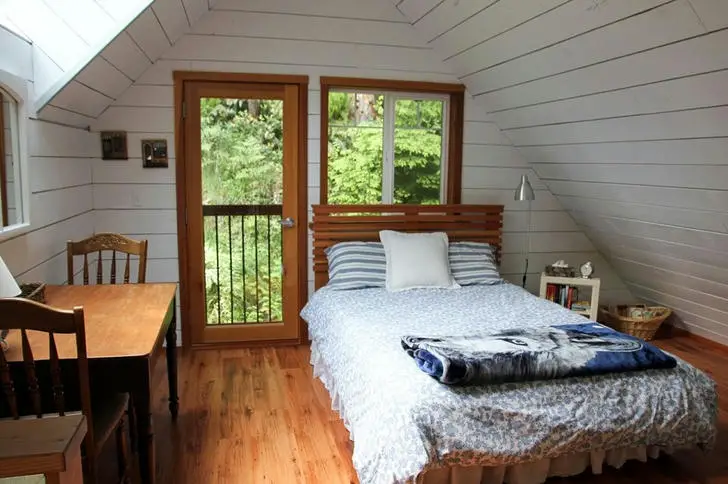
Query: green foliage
x=242, y=151
x=242, y=160
x=356, y=155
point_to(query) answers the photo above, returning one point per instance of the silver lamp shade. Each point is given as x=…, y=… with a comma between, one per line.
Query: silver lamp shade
x=524, y=191
x=8, y=286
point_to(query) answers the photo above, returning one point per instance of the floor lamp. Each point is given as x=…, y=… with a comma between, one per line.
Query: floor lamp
x=524, y=193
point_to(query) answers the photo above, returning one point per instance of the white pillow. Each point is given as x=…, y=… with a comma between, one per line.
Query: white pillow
x=416, y=260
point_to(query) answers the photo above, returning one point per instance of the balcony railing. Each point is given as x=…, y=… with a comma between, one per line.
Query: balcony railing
x=243, y=263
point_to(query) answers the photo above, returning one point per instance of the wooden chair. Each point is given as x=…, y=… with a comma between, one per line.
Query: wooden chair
x=108, y=242
x=41, y=391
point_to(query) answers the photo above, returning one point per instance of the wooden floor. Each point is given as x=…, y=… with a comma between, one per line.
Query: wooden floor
x=257, y=416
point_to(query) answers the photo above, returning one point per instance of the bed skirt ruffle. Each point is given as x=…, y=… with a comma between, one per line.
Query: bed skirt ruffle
x=527, y=473
x=537, y=472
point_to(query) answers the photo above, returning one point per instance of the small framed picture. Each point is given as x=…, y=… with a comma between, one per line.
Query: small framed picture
x=113, y=145
x=154, y=153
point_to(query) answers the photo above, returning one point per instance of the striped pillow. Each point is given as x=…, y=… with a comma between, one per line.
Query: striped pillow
x=473, y=263
x=359, y=265
x=356, y=265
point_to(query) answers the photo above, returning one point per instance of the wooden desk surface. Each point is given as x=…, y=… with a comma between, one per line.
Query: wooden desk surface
x=121, y=320
x=37, y=446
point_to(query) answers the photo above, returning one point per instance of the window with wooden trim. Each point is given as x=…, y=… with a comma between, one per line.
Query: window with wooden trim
x=14, y=187
x=390, y=142
x=4, y=110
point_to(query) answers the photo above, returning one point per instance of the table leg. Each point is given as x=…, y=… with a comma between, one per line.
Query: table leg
x=171, y=338
x=145, y=433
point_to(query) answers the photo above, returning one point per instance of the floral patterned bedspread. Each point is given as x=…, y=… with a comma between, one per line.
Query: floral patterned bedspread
x=403, y=422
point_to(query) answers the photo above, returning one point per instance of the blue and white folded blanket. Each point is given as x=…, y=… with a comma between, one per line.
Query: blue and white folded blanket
x=546, y=353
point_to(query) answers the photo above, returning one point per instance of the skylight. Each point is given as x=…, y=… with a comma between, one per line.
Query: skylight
x=69, y=32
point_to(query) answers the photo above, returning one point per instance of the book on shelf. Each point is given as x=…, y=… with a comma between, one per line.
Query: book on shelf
x=566, y=296
x=581, y=306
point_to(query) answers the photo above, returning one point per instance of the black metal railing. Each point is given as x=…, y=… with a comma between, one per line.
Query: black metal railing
x=243, y=263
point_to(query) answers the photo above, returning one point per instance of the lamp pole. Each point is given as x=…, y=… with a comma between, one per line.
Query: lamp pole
x=524, y=192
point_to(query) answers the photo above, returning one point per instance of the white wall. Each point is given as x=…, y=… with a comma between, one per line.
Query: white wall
x=621, y=107
x=315, y=38
x=60, y=160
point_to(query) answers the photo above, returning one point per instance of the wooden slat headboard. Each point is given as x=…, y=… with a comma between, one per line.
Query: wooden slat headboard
x=338, y=223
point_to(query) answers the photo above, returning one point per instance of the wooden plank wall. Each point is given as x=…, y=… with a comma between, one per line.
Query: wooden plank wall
x=315, y=38
x=60, y=160
x=622, y=108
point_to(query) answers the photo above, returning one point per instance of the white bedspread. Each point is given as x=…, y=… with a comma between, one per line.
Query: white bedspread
x=403, y=422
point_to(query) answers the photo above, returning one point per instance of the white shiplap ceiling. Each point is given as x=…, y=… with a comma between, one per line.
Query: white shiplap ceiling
x=96, y=49
x=622, y=108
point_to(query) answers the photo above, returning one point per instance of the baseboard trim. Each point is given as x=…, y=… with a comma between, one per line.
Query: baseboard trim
x=673, y=331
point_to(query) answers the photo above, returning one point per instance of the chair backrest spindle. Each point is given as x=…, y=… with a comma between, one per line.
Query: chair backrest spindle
x=100, y=268
x=30, y=374
x=127, y=268
x=56, y=380
x=113, y=267
x=85, y=270
x=8, y=386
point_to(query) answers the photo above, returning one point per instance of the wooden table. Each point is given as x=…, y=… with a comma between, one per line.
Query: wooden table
x=49, y=446
x=126, y=326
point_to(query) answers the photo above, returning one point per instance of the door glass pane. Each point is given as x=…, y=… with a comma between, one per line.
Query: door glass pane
x=418, y=151
x=356, y=133
x=242, y=167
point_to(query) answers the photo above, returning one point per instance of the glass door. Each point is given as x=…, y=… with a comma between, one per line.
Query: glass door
x=241, y=152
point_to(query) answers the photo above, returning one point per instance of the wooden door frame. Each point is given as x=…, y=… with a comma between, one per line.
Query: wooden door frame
x=180, y=78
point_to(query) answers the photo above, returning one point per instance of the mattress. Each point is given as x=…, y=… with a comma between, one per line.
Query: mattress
x=405, y=424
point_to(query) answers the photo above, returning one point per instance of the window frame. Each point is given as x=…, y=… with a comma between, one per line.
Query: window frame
x=453, y=124
x=17, y=89
x=3, y=174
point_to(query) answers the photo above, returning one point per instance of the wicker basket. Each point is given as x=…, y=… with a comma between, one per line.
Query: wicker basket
x=637, y=320
x=35, y=291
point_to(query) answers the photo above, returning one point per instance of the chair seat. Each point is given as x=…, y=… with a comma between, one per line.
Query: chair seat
x=107, y=411
x=34, y=479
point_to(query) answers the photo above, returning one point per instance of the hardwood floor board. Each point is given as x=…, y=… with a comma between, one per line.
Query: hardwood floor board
x=257, y=416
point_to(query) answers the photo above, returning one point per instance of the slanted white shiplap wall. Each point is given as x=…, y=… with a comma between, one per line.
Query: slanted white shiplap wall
x=315, y=38
x=144, y=32
x=622, y=108
x=60, y=160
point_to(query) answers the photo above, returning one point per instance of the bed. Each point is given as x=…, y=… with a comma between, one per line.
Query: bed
x=407, y=427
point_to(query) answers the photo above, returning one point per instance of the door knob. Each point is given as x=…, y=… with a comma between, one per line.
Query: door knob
x=288, y=223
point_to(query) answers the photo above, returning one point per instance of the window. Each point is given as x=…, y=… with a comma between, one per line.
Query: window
x=13, y=182
x=5, y=155
x=390, y=142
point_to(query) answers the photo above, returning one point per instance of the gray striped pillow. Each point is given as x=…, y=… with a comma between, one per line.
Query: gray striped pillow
x=356, y=265
x=473, y=263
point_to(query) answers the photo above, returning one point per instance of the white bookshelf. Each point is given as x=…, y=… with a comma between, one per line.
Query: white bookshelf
x=594, y=283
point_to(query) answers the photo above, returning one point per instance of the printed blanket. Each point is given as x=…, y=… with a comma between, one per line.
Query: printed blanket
x=526, y=354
